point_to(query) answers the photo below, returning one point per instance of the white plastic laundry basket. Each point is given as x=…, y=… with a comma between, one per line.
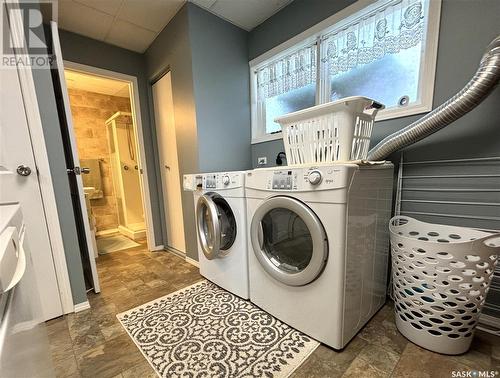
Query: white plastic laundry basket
x=441, y=275
x=337, y=131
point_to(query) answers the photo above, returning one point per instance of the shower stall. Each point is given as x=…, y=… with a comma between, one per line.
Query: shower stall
x=125, y=172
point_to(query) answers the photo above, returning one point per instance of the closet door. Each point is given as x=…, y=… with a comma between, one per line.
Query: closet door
x=169, y=165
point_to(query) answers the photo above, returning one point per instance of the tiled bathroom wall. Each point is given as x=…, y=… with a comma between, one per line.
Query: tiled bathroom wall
x=90, y=112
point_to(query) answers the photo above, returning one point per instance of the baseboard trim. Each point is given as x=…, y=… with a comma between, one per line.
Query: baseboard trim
x=158, y=247
x=132, y=234
x=82, y=306
x=192, y=262
x=176, y=252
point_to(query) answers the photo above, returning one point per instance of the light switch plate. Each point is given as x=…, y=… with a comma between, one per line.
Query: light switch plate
x=262, y=160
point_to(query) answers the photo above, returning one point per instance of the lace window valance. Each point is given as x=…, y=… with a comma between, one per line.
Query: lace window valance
x=386, y=30
x=286, y=74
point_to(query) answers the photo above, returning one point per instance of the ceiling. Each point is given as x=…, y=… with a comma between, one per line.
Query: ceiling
x=247, y=14
x=96, y=84
x=134, y=24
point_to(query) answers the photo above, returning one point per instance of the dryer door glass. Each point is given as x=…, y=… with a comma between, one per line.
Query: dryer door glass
x=216, y=225
x=289, y=241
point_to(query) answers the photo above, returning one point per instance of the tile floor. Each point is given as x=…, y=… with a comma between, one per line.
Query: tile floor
x=93, y=344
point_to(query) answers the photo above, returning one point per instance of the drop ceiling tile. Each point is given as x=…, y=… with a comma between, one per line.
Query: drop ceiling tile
x=249, y=13
x=107, y=6
x=83, y=20
x=152, y=15
x=130, y=36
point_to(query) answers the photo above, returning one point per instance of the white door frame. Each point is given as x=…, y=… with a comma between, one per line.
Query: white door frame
x=44, y=175
x=139, y=140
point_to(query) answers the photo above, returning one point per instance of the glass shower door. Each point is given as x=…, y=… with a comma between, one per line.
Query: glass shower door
x=125, y=172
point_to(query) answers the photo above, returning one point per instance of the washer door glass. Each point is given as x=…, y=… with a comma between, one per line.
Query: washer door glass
x=216, y=225
x=289, y=240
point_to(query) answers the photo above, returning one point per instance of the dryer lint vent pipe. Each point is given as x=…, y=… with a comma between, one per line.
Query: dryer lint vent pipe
x=477, y=89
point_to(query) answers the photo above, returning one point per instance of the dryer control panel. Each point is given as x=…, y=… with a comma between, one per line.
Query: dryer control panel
x=310, y=178
x=286, y=180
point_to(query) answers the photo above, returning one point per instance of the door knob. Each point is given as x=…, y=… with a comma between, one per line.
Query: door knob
x=167, y=167
x=23, y=170
x=85, y=170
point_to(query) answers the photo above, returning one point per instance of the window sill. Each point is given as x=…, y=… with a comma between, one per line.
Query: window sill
x=266, y=138
x=395, y=113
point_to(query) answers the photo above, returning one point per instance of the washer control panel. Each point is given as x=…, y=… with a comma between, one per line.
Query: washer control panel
x=210, y=181
x=221, y=180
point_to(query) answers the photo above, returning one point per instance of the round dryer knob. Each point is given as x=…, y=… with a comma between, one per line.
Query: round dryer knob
x=315, y=177
x=226, y=180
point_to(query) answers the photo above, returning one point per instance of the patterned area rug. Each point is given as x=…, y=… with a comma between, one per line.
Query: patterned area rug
x=205, y=331
x=114, y=243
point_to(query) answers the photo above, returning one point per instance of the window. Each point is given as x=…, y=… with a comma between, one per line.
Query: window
x=286, y=85
x=385, y=50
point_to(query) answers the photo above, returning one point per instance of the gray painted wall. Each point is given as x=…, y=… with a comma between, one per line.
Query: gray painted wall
x=208, y=61
x=466, y=29
x=171, y=52
x=83, y=50
x=52, y=134
x=222, y=92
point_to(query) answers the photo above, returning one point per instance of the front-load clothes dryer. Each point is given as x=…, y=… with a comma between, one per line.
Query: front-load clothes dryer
x=318, y=246
x=220, y=212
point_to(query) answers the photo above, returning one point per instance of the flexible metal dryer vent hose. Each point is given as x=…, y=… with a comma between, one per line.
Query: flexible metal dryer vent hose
x=477, y=89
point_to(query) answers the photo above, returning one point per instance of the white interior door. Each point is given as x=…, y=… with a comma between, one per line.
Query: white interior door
x=19, y=184
x=88, y=235
x=167, y=147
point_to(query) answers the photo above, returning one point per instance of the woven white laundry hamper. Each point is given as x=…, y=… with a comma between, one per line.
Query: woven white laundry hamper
x=441, y=275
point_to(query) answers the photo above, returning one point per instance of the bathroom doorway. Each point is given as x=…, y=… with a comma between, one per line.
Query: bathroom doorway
x=106, y=133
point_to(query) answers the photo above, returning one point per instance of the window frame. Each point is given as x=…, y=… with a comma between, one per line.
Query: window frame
x=315, y=33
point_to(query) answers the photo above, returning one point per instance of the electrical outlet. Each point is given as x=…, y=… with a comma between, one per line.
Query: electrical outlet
x=262, y=160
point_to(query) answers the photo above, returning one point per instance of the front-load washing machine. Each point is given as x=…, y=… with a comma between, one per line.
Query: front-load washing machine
x=319, y=244
x=220, y=211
